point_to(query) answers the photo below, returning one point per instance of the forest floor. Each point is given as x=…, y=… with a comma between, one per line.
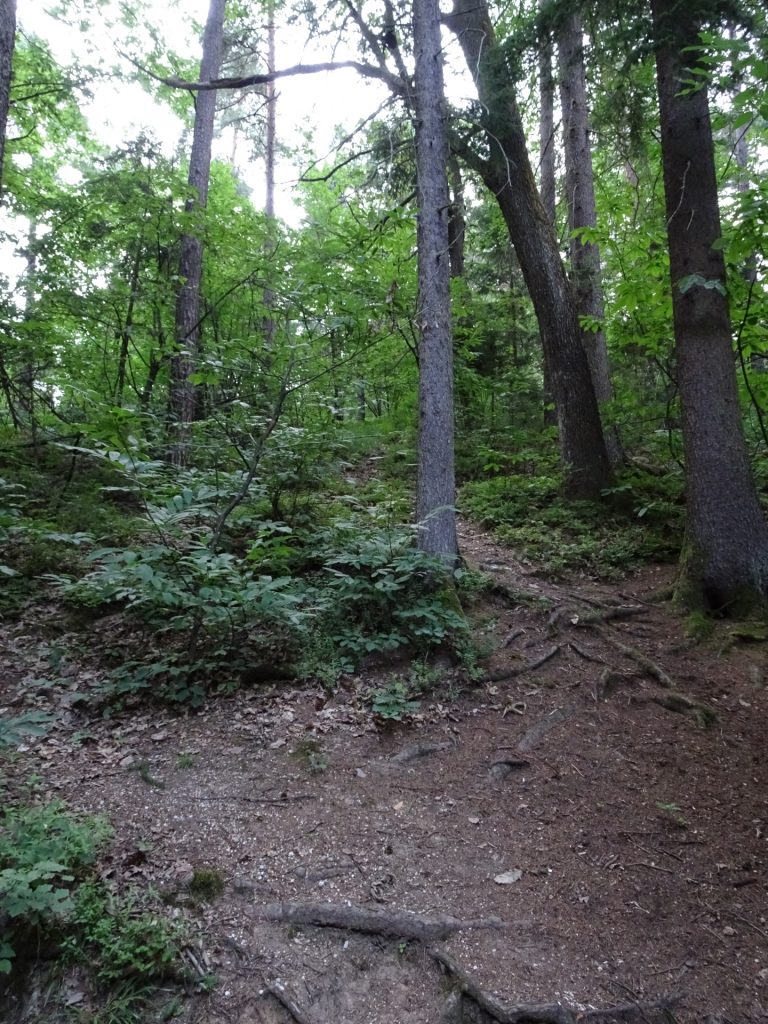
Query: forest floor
x=577, y=800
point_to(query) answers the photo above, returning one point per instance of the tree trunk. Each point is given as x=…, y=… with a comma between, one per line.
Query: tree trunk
x=184, y=362
x=269, y=326
x=582, y=213
x=7, y=43
x=436, y=486
x=508, y=174
x=725, y=558
x=456, y=222
x=547, y=171
x=125, y=333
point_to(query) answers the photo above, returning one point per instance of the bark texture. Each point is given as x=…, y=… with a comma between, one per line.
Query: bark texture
x=183, y=393
x=436, y=487
x=508, y=173
x=582, y=213
x=725, y=560
x=7, y=43
x=546, y=122
x=547, y=185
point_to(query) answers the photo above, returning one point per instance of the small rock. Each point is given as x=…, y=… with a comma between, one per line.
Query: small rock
x=508, y=877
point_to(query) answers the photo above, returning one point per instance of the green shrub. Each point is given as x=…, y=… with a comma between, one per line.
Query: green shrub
x=117, y=938
x=44, y=850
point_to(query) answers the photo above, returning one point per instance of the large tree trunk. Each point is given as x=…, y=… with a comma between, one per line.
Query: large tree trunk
x=582, y=213
x=183, y=393
x=436, y=486
x=507, y=172
x=725, y=559
x=7, y=43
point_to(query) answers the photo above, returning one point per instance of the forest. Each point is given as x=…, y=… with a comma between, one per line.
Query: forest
x=383, y=539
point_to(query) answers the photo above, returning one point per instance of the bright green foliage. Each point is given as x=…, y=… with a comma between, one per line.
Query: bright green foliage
x=43, y=852
x=393, y=702
x=118, y=938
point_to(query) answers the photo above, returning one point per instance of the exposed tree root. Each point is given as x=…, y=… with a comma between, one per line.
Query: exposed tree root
x=277, y=991
x=608, y=613
x=538, y=731
x=493, y=1011
x=646, y=664
x=395, y=924
x=510, y=673
x=672, y=700
x=417, y=750
x=515, y=597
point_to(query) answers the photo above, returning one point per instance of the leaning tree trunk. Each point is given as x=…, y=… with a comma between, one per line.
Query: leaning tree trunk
x=725, y=558
x=7, y=42
x=582, y=213
x=435, y=491
x=507, y=172
x=183, y=392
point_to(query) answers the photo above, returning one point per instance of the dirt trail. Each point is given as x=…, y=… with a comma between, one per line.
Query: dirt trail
x=579, y=801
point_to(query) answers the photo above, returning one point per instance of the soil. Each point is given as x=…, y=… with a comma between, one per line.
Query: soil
x=608, y=806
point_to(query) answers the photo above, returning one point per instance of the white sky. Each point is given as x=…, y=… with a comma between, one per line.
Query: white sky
x=319, y=103
x=119, y=111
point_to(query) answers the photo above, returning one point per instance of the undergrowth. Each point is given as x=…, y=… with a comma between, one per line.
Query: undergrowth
x=51, y=899
x=640, y=520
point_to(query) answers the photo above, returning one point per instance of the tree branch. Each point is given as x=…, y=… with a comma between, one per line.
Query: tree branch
x=366, y=70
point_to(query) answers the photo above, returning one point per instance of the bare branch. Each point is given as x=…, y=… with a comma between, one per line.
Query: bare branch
x=366, y=70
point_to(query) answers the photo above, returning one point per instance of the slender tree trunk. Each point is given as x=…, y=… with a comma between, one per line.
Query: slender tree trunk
x=509, y=175
x=547, y=172
x=126, y=332
x=725, y=558
x=547, y=123
x=436, y=485
x=456, y=222
x=184, y=362
x=7, y=43
x=582, y=213
x=269, y=326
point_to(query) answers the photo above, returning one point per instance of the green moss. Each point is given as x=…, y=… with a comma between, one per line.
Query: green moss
x=207, y=883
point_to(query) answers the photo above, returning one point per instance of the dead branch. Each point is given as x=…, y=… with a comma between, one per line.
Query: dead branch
x=367, y=70
x=396, y=924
